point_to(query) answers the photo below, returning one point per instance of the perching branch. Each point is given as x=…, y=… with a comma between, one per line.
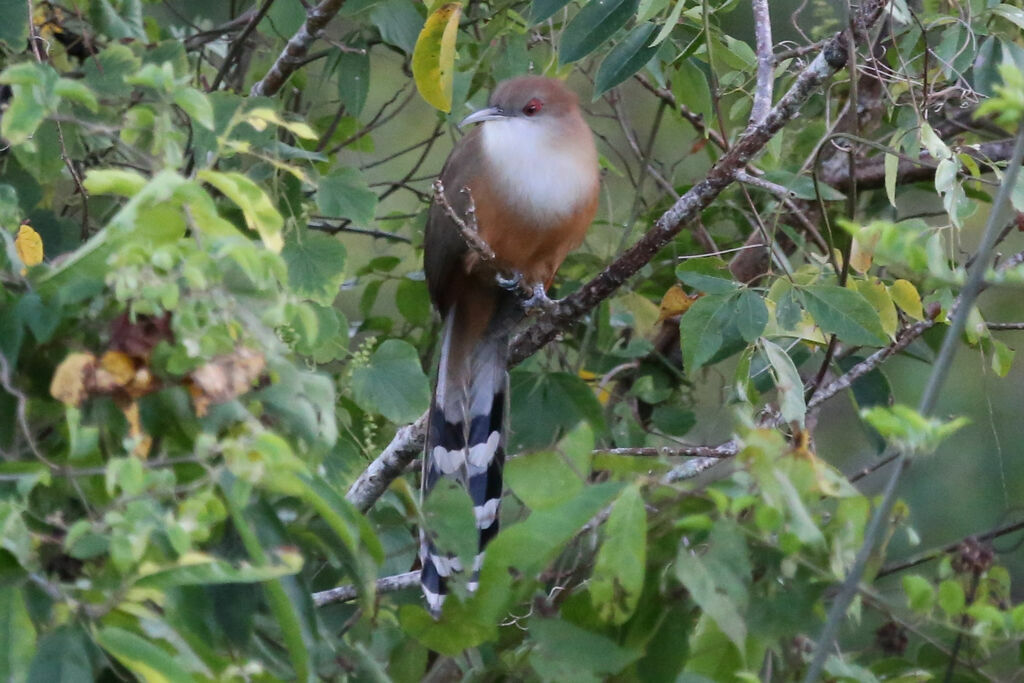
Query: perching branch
x=408, y=441
x=291, y=58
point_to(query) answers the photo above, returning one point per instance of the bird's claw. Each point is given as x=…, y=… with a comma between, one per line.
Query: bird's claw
x=538, y=302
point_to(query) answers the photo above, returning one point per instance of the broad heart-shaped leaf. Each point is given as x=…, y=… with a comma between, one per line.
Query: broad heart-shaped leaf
x=844, y=313
x=393, y=383
x=345, y=194
x=260, y=214
x=14, y=27
x=433, y=59
x=594, y=25
x=141, y=656
x=625, y=59
x=316, y=265
x=619, y=569
x=540, y=10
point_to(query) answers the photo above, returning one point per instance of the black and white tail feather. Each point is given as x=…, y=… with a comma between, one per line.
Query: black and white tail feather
x=466, y=443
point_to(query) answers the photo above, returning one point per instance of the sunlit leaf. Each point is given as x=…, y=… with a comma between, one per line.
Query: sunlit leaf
x=433, y=60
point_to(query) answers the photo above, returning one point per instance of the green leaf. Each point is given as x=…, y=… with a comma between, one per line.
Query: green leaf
x=106, y=71
x=345, y=194
x=844, y=313
x=14, y=27
x=17, y=633
x=690, y=85
x=751, y=315
x=61, y=658
x=788, y=383
x=433, y=58
x=122, y=182
x=700, y=329
x=717, y=580
x=707, y=275
x=200, y=568
x=619, y=568
x=563, y=651
x=140, y=656
x=920, y=594
x=413, y=301
x=398, y=22
x=802, y=186
x=593, y=26
x=625, y=59
x=448, y=512
x=76, y=91
x=260, y=214
x=353, y=80
x=393, y=384
x=541, y=10
x=196, y=104
x=543, y=480
x=545, y=405
x=671, y=22
x=951, y=597
x=316, y=265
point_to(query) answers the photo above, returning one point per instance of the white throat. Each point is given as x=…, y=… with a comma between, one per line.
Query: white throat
x=537, y=171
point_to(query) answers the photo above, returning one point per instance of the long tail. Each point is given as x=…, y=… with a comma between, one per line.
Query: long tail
x=466, y=434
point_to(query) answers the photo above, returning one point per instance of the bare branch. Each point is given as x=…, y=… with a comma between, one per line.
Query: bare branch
x=765, y=62
x=387, y=584
x=298, y=46
x=239, y=43
x=389, y=465
x=725, y=450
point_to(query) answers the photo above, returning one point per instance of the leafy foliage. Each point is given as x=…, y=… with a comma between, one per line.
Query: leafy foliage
x=213, y=317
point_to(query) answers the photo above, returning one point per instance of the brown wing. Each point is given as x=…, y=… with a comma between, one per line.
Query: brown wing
x=444, y=248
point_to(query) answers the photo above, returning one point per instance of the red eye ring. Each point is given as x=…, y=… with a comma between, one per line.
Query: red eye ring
x=532, y=107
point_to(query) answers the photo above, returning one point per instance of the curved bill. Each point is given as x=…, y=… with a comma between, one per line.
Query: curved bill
x=488, y=114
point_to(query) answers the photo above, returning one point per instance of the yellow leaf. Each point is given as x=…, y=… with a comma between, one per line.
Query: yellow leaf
x=69, y=380
x=906, y=296
x=675, y=302
x=877, y=295
x=29, y=246
x=433, y=58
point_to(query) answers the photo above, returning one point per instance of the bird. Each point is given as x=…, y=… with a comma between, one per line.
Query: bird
x=528, y=173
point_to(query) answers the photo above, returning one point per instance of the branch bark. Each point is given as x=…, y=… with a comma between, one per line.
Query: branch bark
x=294, y=53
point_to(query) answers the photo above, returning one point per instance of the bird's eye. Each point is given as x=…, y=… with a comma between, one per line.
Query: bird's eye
x=532, y=107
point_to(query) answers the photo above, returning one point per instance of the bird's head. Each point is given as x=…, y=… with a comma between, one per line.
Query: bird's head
x=536, y=99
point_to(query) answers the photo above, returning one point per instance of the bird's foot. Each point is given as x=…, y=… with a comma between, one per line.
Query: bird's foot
x=539, y=302
x=512, y=283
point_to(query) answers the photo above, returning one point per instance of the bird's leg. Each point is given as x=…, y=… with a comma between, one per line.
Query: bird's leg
x=513, y=281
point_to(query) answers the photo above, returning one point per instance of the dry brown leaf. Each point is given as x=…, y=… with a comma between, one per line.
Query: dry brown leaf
x=675, y=302
x=72, y=378
x=115, y=371
x=143, y=440
x=224, y=378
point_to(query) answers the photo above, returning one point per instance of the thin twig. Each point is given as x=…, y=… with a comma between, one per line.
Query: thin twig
x=239, y=44
x=765, y=62
x=387, y=584
x=295, y=51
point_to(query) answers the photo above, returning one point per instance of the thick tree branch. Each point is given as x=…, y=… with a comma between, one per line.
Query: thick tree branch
x=409, y=440
x=291, y=58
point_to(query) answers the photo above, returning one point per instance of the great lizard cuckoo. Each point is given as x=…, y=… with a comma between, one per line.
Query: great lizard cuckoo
x=530, y=169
